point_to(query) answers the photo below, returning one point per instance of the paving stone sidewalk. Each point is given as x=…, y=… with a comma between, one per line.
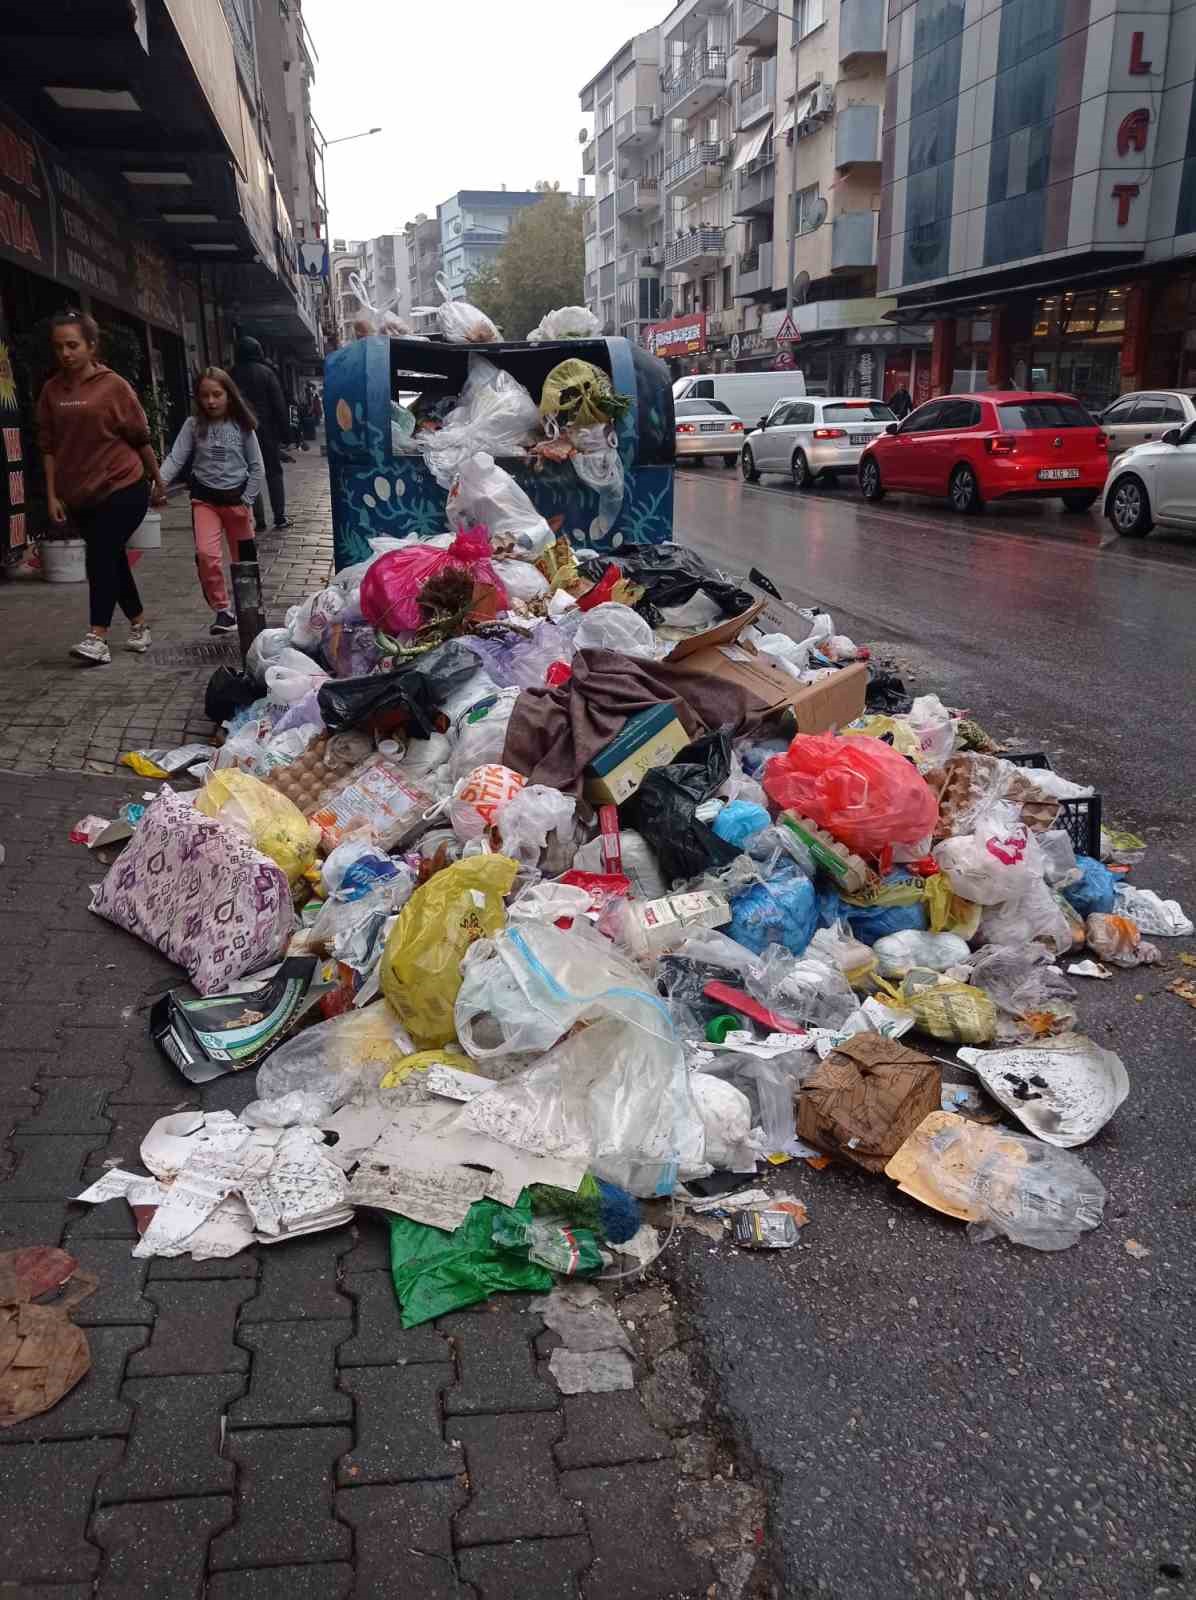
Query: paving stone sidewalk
x=263, y=1425
x=57, y=714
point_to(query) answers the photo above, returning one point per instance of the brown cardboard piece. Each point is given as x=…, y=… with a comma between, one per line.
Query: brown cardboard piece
x=866, y=1098
x=817, y=707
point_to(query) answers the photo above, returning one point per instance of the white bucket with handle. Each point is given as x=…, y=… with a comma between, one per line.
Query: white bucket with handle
x=63, y=560
x=147, y=535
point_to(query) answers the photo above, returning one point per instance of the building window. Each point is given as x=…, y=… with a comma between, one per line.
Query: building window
x=805, y=203
x=728, y=290
x=606, y=115
x=810, y=14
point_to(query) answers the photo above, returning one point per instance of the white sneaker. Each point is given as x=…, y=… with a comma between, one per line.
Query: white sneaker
x=93, y=650
x=139, y=639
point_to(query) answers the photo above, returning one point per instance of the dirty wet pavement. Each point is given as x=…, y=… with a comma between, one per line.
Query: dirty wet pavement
x=948, y=1419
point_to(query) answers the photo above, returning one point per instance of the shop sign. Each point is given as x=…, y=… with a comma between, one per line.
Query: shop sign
x=681, y=336
x=61, y=224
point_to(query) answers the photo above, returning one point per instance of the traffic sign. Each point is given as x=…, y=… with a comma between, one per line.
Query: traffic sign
x=787, y=333
x=784, y=361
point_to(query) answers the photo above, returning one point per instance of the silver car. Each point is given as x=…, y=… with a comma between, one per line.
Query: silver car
x=1144, y=416
x=813, y=438
x=1154, y=483
x=707, y=428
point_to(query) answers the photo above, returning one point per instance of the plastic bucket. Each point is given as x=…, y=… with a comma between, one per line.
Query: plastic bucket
x=148, y=533
x=63, y=560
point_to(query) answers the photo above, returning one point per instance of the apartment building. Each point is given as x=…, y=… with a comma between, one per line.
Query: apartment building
x=474, y=224
x=386, y=273
x=348, y=261
x=1039, y=191
x=422, y=240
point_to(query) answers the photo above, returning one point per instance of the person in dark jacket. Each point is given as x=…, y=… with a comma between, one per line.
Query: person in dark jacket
x=261, y=389
x=901, y=402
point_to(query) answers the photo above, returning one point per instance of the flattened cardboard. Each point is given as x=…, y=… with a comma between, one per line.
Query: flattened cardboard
x=866, y=1098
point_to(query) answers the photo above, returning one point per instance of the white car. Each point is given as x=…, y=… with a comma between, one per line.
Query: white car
x=814, y=438
x=707, y=428
x=1154, y=483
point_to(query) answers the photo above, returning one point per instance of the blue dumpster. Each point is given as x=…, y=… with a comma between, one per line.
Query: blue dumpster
x=376, y=490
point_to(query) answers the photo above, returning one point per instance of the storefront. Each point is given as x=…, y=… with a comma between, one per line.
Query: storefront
x=869, y=359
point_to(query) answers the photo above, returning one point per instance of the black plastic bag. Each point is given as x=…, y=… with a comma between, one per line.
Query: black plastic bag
x=886, y=693
x=665, y=805
x=671, y=575
x=407, y=700
x=229, y=692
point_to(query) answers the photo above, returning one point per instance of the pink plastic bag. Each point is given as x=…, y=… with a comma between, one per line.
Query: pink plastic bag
x=860, y=790
x=391, y=587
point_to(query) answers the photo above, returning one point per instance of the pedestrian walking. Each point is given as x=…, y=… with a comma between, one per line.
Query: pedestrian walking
x=218, y=448
x=900, y=402
x=262, y=393
x=95, y=445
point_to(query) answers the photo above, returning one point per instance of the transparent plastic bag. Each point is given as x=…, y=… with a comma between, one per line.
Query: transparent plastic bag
x=780, y=907
x=859, y=790
x=273, y=823
x=934, y=732
x=1058, y=858
x=837, y=944
x=896, y=953
x=341, y=1061
x=460, y=322
x=483, y=493
x=567, y=322
x=495, y=414
x=726, y=1114
x=525, y=821
x=291, y=676
x=1027, y=988
x=265, y=649
x=1119, y=940
x=1164, y=919
x=307, y=622
x=811, y=990
x=769, y=1074
x=999, y=1182
x=1033, y=914
x=381, y=319
x=616, y=627
x=523, y=662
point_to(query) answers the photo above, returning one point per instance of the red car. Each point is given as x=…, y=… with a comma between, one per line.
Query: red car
x=977, y=447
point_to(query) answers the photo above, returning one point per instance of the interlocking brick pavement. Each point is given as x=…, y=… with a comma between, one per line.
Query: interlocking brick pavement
x=259, y=1426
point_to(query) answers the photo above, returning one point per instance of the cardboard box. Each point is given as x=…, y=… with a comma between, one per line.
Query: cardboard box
x=649, y=739
x=816, y=707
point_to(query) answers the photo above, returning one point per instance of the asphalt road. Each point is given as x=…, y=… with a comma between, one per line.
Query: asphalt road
x=940, y=1418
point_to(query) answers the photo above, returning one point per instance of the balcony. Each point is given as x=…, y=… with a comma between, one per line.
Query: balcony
x=606, y=213
x=588, y=161
x=637, y=264
x=698, y=78
x=857, y=136
x=696, y=251
x=753, y=273
x=640, y=198
x=698, y=169
x=606, y=280
x=755, y=186
x=606, y=148
x=862, y=26
x=755, y=25
x=634, y=128
x=853, y=240
x=757, y=93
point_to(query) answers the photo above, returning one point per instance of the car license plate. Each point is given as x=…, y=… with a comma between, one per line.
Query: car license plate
x=1057, y=474
x=859, y=438
x=712, y=427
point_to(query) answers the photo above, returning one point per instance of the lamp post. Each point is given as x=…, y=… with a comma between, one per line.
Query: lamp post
x=324, y=145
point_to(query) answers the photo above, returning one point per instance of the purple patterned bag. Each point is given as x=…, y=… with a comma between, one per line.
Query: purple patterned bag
x=197, y=890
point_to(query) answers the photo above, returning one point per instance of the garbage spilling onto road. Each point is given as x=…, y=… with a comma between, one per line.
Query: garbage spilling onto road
x=539, y=886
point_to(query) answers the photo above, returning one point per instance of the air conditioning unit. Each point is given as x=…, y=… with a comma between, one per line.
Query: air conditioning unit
x=823, y=100
x=726, y=148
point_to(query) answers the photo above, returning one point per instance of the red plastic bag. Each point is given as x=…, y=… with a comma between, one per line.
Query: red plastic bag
x=391, y=587
x=860, y=790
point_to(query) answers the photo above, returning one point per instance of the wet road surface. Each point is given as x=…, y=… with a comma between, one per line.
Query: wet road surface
x=947, y=1419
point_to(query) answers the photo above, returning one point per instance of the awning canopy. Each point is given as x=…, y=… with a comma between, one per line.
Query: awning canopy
x=754, y=144
x=786, y=125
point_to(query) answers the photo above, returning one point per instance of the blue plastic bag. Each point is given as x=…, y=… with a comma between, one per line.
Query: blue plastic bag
x=1096, y=890
x=784, y=910
x=870, y=923
x=739, y=821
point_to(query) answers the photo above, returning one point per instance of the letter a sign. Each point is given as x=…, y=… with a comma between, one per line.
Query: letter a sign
x=787, y=333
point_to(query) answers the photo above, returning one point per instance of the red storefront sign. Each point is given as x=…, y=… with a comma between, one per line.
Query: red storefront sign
x=680, y=336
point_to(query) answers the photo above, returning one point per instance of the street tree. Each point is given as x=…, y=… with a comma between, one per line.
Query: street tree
x=541, y=266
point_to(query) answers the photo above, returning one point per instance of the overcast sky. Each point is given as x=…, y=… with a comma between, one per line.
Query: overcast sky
x=470, y=94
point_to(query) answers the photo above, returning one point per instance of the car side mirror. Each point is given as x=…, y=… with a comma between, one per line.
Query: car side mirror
x=762, y=424
x=1173, y=436
x=893, y=427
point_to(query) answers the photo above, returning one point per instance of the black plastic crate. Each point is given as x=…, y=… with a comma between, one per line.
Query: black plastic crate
x=1081, y=817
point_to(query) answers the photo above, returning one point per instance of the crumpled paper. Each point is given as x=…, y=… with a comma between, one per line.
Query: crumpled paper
x=43, y=1354
x=865, y=1099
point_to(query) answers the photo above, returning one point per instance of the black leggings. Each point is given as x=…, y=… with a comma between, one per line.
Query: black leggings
x=107, y=528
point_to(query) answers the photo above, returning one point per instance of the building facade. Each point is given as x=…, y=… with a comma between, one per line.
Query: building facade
x=347, y=263
x=1040, y=191
x=386, y=273
x=474, y=224
x=422, y=239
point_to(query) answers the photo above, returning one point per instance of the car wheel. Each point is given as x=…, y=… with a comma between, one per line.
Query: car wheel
x=870, y=485
x=802, y=478
x=1080, y=500
x=964, y=491
x=729, y=461
x=1129, y=508
x=747, y=465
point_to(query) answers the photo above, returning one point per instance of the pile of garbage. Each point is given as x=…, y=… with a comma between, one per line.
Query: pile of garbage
x=541, y=887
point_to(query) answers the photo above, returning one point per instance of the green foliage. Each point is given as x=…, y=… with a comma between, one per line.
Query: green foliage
x=540, y=267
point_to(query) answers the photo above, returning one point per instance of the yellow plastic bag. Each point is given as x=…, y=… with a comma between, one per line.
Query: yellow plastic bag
x=878, y=727
x=275, y=824
x=950, y=912
x=446, y=1056
x=421, y=965
x=143, y=767
x=945, y=1009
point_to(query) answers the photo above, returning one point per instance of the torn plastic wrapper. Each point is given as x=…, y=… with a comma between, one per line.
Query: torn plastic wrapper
x=436, y=1272
x=208, y=1037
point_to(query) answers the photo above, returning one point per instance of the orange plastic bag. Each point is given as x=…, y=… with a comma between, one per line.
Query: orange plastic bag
x=859, y=790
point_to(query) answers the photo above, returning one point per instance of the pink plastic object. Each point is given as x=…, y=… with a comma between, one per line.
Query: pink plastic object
x=860, y=790
x=391, y=587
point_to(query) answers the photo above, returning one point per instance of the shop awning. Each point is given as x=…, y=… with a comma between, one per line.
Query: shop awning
x=755, y=143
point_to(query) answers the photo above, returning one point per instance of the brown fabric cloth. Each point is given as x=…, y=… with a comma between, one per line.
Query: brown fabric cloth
x=94, y=432
x=555, y=732
x=866, y=1098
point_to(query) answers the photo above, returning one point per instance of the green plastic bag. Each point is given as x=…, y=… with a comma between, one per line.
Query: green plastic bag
x=436, y=1272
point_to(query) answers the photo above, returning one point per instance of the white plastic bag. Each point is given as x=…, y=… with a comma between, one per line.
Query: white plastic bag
x=896, y=953
x=1033, y=914
x=481, y=732
x=930, y=723
x=567, y=322
x=1165, y=919
x=639, y=864
x=264, y=650
x=522, y=580
x=483, y=492
x=291, y=676
x=306, y=622
x=616, y=627
x=460, y=322
x=726, y=1114
x=495, y=414
x=996, y=862
x=525, y=821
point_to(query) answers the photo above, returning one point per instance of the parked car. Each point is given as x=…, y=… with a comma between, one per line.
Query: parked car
x=707, y=428
x=976, y=447
x=745, y=394
x=1154, y=483
x=1142, y=417
x=813, y=438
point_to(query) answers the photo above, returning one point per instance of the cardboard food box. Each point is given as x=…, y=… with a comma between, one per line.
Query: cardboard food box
x=649, y=739
x=816, y=707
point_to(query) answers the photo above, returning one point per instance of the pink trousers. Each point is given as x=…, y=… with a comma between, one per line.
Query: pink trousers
x=213, y=526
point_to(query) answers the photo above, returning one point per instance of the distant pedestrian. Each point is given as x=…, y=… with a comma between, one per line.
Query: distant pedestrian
x=900, y=402
x=99, y=464
x=218, y=448
x=263, y=394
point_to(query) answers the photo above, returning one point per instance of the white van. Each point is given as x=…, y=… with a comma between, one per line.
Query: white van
x=750, y=395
